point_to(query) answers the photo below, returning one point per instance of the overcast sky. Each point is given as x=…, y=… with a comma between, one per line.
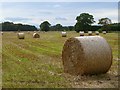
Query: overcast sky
x=64, y=13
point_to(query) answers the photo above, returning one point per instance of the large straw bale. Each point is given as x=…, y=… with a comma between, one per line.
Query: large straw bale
x=86, y=55
x=64, y=34
x=21, y=35
x=36, y=35
x=81, y=33
x=89, y=33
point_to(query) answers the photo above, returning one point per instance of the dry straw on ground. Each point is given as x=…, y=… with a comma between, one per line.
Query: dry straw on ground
x=81, y=33
x=21, y=35
x=89, y=33
x=64, y=34
x=86, y=55
x=36, y=35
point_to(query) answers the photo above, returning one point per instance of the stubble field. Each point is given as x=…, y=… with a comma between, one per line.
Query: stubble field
x=36, y=63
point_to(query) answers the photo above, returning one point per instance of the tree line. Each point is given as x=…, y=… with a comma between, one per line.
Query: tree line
x=84, y=23
x=10, y=26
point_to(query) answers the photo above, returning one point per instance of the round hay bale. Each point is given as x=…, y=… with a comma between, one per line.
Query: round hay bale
x=81, y=33
x=38, y=31
x=86, y=55
x=64, y=34
x=104, y=32
x=36, y=35
x=96, y=32
x=2, y=33
x=89, y=33
x=28, y=32
x=21, y=35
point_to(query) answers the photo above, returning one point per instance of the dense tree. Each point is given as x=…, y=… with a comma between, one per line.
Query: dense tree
x=78, y=27
x=71, y=28
x=84, y=21
x=105, y=22
x=58, y=27
x=114, y=27
x=45, y=26
x=10, y=26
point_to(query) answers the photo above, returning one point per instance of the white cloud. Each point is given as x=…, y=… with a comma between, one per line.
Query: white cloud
x=64, y=16
x=56, y=6
x=110, y=13
x=61, y=18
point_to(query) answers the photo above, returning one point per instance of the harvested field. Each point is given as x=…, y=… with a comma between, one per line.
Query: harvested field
x=37, y=63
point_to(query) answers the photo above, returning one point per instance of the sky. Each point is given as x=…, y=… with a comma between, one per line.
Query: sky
x=65, y=13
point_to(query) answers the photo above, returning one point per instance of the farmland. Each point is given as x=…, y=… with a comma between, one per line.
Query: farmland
x=36, y=62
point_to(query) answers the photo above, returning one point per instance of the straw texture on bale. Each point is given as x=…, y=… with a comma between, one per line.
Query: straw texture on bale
x=81, y=33
x=86, y=55
x=36, y=35
x=21, y=35
x=64, y=34
x=89, y=32
x=97, y=33
x=104, y=32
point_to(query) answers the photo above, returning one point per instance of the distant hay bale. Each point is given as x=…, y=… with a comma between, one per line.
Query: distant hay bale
x=28, y=32
x=2, y=33
x=38, y=31
x=96, y=32
x=86, y=55
x=89, y=33
x=64, y=34
x=36, y=35
x=81, y=33
x=21, y=35
x=104, y=32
